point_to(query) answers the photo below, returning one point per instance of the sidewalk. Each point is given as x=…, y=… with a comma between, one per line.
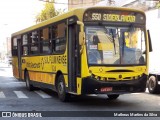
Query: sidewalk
x=6, y=70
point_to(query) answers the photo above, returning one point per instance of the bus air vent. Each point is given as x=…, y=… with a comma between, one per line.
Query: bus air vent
x=111, y=78
x=120, y=71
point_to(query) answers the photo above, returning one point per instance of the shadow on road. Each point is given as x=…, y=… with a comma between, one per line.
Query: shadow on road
x=101, y=101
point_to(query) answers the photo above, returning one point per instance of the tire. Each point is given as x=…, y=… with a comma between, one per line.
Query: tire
x=153, y=85
x=113, y=97
x=28, y=85
x=61, y=89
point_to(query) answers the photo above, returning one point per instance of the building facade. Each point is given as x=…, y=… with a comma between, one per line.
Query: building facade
x=81, y=3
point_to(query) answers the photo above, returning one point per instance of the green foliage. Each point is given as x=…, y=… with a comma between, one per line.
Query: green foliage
x=48, y=12
x=158, y=5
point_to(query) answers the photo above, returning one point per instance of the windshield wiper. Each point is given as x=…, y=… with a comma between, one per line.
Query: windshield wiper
x=113, y=41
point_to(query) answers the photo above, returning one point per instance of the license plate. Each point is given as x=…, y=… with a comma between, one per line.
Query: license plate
x=106, y=89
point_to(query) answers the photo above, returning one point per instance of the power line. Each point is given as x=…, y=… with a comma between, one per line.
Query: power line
x=67, y=3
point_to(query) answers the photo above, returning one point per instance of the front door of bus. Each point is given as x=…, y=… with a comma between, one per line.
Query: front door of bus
x=72, y=57
x=19, y=57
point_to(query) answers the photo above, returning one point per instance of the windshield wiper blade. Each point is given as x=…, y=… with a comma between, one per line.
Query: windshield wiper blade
x=113, y=41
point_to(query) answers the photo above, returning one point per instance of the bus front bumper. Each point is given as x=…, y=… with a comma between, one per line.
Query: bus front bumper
x=94, y=86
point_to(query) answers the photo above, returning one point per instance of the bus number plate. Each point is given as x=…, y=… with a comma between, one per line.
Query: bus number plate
x=106, y=89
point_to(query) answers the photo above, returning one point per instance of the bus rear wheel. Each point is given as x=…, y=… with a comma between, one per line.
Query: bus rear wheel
x=61, y=89
x=27, y=79
x=113, y=97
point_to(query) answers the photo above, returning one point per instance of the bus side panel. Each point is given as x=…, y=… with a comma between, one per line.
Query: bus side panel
x=47, y=78
x=15, y=67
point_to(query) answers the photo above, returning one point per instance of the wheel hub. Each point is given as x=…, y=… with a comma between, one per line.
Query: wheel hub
x=152, y=84
x=60, y=87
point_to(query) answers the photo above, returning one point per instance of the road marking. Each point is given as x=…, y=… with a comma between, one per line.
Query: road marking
x=147, y=91
x=20, y=94
x=92, y=95
x=2, y=95
x=13, y=83
x=136, y=93
x=42, y=94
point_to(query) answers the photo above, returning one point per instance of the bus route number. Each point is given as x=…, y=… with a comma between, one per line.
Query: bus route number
x=96, y=16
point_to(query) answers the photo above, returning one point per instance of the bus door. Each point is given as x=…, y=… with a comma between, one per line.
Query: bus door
x=19, y=48
x=73, y=56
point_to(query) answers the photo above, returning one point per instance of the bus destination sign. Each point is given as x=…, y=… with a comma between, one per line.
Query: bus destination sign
x=114, y=16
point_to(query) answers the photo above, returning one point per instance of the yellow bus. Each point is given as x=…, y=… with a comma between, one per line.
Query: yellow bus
x=96, y=50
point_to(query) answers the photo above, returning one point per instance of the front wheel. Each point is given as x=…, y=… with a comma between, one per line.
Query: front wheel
x=61, y=89
x=153, y=85
x=113, y=97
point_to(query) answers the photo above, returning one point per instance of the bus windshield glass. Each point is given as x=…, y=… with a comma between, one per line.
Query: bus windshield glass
x=115, y=45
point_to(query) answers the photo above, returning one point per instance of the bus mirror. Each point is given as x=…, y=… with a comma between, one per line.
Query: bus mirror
x=81, y=38
x=150, y=42
x=81, y=33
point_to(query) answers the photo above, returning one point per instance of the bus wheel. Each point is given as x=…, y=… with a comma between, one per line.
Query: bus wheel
x=113, y=97
x=61, y=89
x=152, y=85
x=28, y=85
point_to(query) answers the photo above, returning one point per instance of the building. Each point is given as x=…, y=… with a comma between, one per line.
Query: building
x=5, y=49
x=82, y=3
x=144, y=5
x=8, y=45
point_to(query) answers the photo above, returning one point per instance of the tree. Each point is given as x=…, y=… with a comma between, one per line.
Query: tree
x=48, y=12
x=158, y=5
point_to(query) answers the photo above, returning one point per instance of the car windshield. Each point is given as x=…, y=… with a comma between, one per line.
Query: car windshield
x=115, y=45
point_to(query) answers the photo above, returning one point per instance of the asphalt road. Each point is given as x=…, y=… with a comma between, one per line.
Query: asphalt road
x=15, y=97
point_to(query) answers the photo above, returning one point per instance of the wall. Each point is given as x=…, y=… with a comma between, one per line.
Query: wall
x=153, y=24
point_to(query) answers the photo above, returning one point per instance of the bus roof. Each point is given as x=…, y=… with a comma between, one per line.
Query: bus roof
x=77, y=12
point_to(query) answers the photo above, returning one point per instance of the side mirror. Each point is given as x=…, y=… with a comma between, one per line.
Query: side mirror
x=81, y=35
x=81, y=38
x=150, y=42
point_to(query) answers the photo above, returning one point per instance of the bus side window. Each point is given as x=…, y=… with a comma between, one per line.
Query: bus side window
x=45, y=41
x=14, y=47
x=34, y=42
x=54, y=33
x=25, y=45
x=59, y=38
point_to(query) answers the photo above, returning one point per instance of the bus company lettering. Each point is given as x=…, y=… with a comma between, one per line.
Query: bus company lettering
x=47, y=60
x=121, y=18
x=33, y=65
x=54, y=59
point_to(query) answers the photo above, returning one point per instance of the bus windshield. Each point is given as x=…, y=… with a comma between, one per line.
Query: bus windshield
x=116, y=45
